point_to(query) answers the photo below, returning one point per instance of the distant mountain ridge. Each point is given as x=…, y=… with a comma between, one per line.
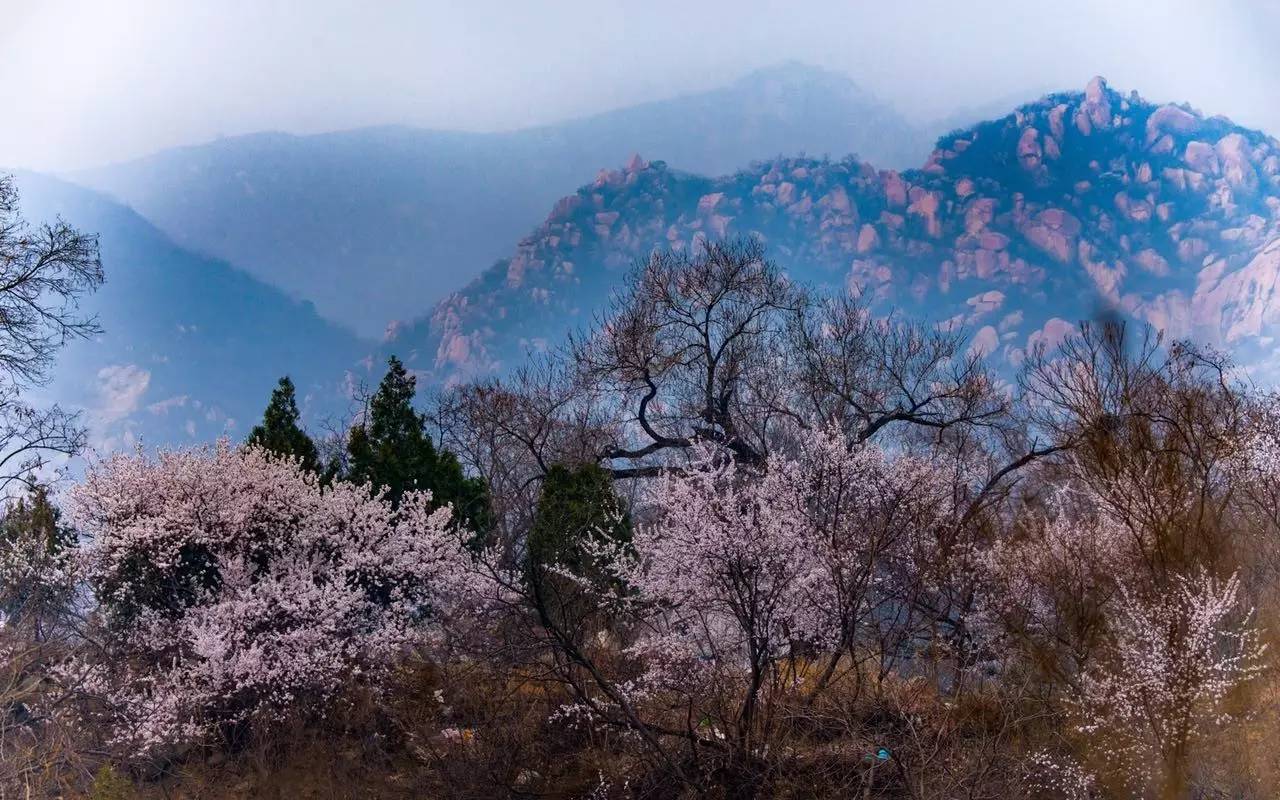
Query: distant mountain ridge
x=378, y=224
x=1015, y=228
x=191, y=347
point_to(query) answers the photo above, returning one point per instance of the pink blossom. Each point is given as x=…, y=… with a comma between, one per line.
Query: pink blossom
x=235, y=588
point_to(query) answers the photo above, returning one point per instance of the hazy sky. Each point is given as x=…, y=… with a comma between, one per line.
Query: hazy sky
x=88, y=81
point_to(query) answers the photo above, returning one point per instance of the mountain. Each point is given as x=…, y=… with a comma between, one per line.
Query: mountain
x=1078, y=204
x=378, y=224
x=191, y=347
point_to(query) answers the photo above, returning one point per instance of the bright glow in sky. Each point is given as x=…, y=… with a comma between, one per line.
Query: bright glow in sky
x=87, y=81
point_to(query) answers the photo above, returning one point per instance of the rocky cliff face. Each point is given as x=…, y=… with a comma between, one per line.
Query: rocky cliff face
x=1079, y=203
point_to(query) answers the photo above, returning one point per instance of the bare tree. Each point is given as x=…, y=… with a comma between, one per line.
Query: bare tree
x=44, y=272
x=718, y=345
x=1152, y=432
x=866, y=373
x=683, y=349
x=511, y=432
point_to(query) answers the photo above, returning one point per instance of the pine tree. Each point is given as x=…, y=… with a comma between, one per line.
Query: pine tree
x=36, y=517
x=576, y=505
x=392, y=451
x=280, y=432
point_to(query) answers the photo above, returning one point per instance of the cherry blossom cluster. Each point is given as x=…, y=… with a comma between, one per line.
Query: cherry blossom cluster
x=1062, y=778
x=1057, y=571
x=1255, y=468
x=1149, y=662
x=1175, y=657
x=236, y=589
x=737, y=566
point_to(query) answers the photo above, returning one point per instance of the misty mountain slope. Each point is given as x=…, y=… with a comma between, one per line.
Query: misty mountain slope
x=379, y=224
x=191, y=346
x=1079, y=203
x=789, y=108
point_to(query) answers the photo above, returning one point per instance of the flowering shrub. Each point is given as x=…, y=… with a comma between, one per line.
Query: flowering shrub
x=1175, y=659
x=1149, y=664
x=1048, y=589
x=234, y=589
x=1049, y=775
x=737, y=572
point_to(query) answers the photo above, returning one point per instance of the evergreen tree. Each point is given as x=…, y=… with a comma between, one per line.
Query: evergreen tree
x=37, y=519
x=576, y=505
x=280, y=432
x=393, y=451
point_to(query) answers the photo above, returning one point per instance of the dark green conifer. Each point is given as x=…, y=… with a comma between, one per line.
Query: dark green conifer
x=279, y=431
x=392, y=451
x=577, y=505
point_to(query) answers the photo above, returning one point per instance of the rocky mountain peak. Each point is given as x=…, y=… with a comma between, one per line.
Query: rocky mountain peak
x=1016, y=227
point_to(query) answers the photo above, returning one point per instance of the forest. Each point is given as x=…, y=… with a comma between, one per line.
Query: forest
x=737, y=538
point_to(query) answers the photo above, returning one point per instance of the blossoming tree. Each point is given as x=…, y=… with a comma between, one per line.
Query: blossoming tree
x=235, y=590
x=746, y=584
x=1175, y=660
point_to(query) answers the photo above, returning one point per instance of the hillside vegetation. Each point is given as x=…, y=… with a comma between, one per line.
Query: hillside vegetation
x=742, y=539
